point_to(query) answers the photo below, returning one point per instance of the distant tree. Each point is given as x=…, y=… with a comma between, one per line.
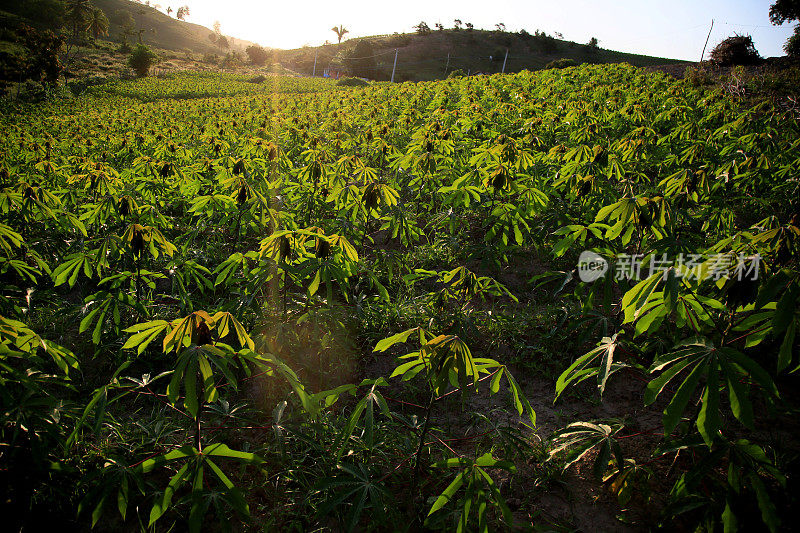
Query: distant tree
x=792, y=46
x=438, y=26
x=219, y=39
x=141, y=59
x=169, y=10
x=182, y=13
x=559, y=35
x=594, y=44
x=457, y=24
x=784, y=11
x=736, y=50
x=500, y=27
x=340, y=32
x=469, y=26
x=78, y=12
x=523, y=33
x=257, y=54
x=422, y=28
x=97, y=23
x=361, y=61
x=41, y=63
x=787, y=11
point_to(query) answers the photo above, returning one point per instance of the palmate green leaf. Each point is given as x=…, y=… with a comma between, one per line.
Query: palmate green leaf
x=479, y=489
x=581, y=369
x=708, y=419
x=227, y=270
x=786, y=309
x=579, y=438
x=191, y=401
x=785, y=354
x=723, y=367
x=729, y=522
x=635, y=299
x=144, y=334
x=399, y=338
x=185, y=329
x=271, y=363
x=161, y=505
x=225, y=323
x=68, y=271
x=676, y=406
x=448, y=360
x=9, y=238
x=769, y=514
x=106, y=303
x=738, y=394
x=23, y=269
x=222, y=450
x=314, y=285
x=365, y=406
x=448, y=493
x=521, y=402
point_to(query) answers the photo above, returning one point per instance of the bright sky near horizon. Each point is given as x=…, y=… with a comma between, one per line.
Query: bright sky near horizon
x=665, y=28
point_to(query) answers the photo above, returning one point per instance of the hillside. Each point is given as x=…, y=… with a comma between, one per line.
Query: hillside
x=160, y=30
x=425, y=57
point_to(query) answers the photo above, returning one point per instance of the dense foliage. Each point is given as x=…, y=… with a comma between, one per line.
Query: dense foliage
x=735, y=50
x=195, y=272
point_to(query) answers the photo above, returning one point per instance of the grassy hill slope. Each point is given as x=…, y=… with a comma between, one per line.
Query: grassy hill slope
x=169, y=34
x=425, y=57
x=160, y=30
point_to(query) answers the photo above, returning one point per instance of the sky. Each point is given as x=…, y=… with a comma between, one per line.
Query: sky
x=666, y=28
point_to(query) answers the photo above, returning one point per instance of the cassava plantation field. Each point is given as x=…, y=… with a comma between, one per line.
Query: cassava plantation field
x=293, y=306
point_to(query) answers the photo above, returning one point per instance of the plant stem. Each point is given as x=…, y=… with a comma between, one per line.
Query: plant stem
x=422, y=435
x=139, y=279
x=197, y=431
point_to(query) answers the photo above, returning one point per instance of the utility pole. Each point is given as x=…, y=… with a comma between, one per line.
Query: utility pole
x=707, y=38
x=504, y=62
x=315, y=64
x=395, y=64
x=448, y=64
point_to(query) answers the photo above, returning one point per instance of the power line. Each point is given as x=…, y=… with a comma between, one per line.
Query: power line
x=750, y=25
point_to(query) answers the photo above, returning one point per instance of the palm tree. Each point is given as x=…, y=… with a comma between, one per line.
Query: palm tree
x=78, y=12
x=340, y=31
x=97, y=23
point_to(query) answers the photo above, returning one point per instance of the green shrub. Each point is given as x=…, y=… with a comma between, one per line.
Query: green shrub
x=697, y=77
x=457, y=73
x=561, y=63
x=258, y=79
x=352, y=82
x=232, y=60
x=141, y=59
x=258, y=55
